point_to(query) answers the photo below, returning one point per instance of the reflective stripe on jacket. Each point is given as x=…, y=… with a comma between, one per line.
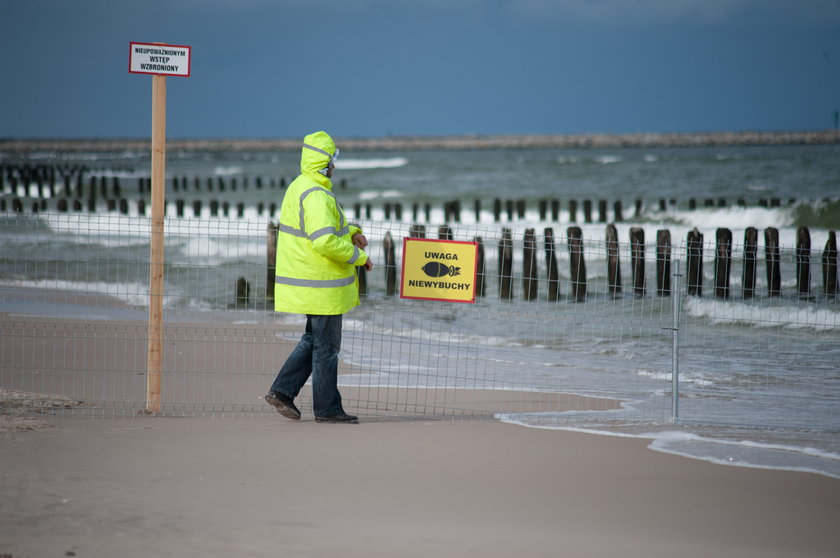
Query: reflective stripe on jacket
x=316, y=259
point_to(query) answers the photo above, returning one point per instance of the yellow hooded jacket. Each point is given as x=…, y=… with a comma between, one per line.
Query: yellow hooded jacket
x=316, y=259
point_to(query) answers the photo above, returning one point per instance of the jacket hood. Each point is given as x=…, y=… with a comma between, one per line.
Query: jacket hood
x=316, y=152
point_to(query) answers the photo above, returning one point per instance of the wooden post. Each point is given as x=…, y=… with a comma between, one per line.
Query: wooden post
x=529, y=266
x=613, y=263
x=637, y=260
x=505, y=265
x=803, y=261
x=551, y=265
x=271, y=259
x=417, y=231
x=479, y=265
x=361, y=274
x=587, y=211
x=390, y=265
x=694, y=265
x=577, y=263
x=772, y=258
x=829, y=265
x=156, y=256
x=573, y=211
x=750, y=261
x=602, y=211
x=445, y=233
x=520, y=209
x=243, y=292
x=663, y=262
x=723, y=262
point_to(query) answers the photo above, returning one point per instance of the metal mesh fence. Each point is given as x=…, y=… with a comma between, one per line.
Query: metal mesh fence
x=563, y=326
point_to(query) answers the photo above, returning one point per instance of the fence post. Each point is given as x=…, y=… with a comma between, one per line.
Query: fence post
x=750, y=261
x=675, y=353
x=613, y=262
x=772, y=258
x=577, y=263
x=529, y=265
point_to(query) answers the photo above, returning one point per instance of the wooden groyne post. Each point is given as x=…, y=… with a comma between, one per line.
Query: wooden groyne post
x=829, y=265
x=663, y=262
x=417, y=231
x=694, y=265
x=505, y=265
x=577, y=263
x=750, y=262
x=803, y=261
x=551, y=266
x=613, y=262
x=479, y=266
x=637, y=260
x=772, y=258
x=723, y=262
x=271, y=256
x=529, y=265
x=390, y=265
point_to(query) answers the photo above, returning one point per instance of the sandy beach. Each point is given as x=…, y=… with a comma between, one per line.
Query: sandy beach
x=267, y=486
x=405, y=482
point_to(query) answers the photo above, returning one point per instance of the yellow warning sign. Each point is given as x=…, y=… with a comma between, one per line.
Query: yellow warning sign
x=439, y=270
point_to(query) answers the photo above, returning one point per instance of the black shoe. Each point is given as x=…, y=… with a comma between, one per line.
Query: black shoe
x=283, y=404
x=342, y=418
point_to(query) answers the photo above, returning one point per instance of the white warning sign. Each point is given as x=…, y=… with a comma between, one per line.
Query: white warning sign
x=159, y=59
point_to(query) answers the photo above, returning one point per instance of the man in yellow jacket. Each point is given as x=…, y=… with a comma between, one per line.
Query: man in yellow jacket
x=317, y=256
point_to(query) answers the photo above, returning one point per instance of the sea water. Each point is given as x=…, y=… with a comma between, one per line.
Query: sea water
x=596, y=361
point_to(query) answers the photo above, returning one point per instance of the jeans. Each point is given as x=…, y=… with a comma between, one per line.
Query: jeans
x=316, y=355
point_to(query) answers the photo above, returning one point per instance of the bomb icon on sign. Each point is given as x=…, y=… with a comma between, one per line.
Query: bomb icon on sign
x=437, y=269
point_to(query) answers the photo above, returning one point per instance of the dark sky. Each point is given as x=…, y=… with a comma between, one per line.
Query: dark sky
x=282, y=68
